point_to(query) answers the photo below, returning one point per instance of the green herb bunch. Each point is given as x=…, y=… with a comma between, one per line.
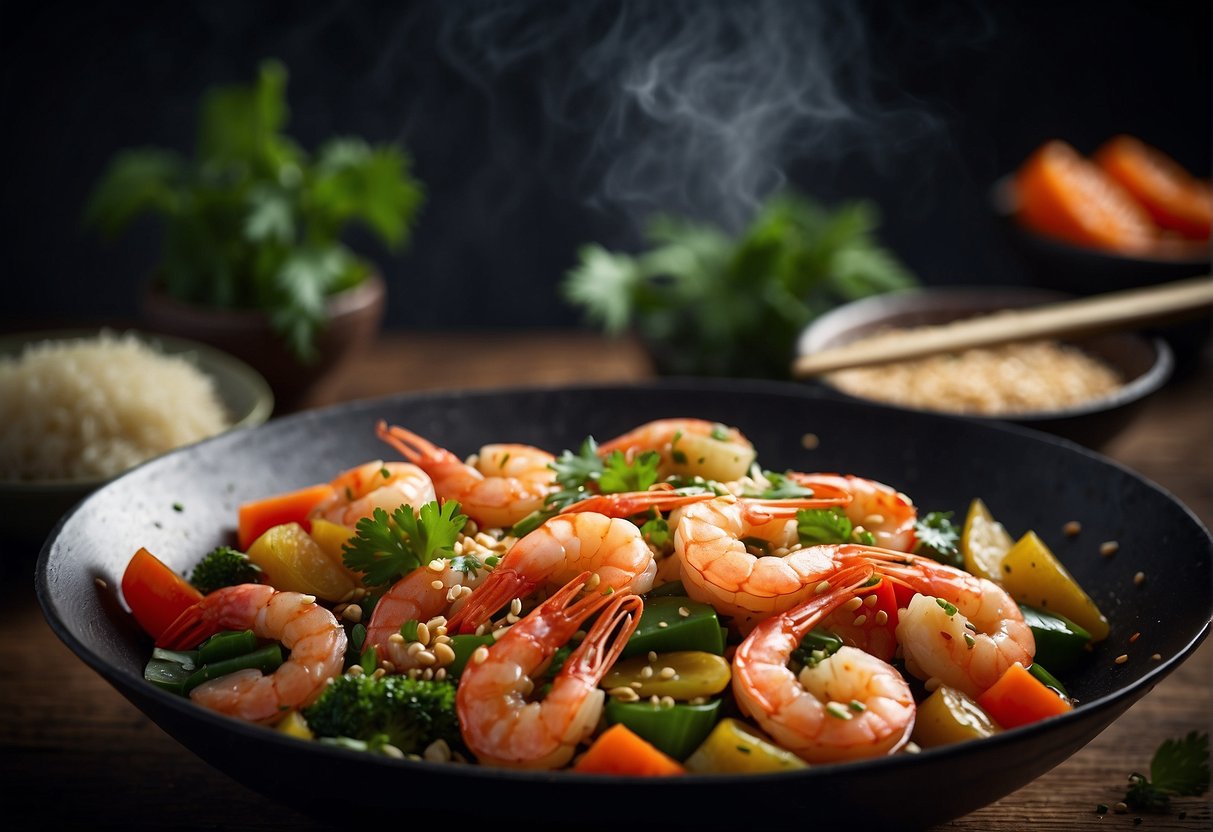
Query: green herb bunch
x=707, y=303
x=253, y=221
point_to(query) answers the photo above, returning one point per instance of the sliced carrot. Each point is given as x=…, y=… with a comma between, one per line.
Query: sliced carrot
x=155, y=593
x=1067, y=196
x=256, y=516
x=1173, y=197
x=619, y=751
x=1019, y=698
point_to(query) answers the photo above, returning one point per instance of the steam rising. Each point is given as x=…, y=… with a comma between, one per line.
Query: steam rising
x=692, y=108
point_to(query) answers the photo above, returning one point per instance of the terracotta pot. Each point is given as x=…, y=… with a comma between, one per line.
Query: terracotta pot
x=355, y=316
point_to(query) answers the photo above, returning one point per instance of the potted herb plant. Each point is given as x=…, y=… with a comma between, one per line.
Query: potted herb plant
x=252, y=258
x=708, y=303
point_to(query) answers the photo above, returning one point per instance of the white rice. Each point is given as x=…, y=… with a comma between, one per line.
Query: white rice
x=94, y=407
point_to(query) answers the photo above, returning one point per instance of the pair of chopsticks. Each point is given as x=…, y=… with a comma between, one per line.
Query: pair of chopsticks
x=1069, y=318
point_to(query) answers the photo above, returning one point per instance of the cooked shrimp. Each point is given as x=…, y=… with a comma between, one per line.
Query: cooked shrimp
x=315, y=639
x=880, y=509
x=849, y=706
x=423, y=594
x=961, y=629
x=691, y=447
x=378, y=484
x=498, y=722
x=504, y=484
x=710, y=541
x=610, y=547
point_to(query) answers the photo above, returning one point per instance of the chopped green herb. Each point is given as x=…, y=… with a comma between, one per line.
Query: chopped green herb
x=744, y=749
x=782, y=487
x=938, y=538
x=178, y=507
x=656, y=531
x=368, y=661
x=409, y=629
x=823, y=525
x=357, y=636
x=1179, y=768
x=720, y=433
x=946, y=606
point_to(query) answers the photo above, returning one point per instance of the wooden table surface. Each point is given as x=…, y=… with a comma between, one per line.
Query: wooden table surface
x=75, y=752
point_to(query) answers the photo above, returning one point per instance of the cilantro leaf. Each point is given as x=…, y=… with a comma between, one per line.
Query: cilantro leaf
x=656, y=531
x=938, y=538
x=781, y=487
x=575, y=470
x=619, y=475
x=385, y=548
x=1179, y=768
x=828, y=525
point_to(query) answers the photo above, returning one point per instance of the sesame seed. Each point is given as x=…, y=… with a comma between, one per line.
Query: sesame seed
x=624, y=694
x=352, y=613
x=444, y=653
x=304, y=600
x=684, y=612
x=437, y=585
x=389, y=750
x=453, y=593
x=528, y=685
x=882, y=618
x=1156, y=657
x=663, y=624
x=516, y=606
x=100, y=583
x=822, y=587
x=437, y=752
x=853, y=604
x=423, y=633
x=1120, y=808
x=512, y=619
x=1139, y=578
x=379, y=673
x=594, y=581
x=873, y=520
x=436, y=622
x=652, y=656
x=1133, y=638
x=1122, y=658
x=480, y=654
x=356, y=670
x=668, y=673
x=499, y=632
x=646, y=672
x=810, y=441
x=697, y=700
x=1109, y=548
x=1072, y=528
x=870, y=601
x=912, y=748
x=860, y=620
x=436, y=565
x=440, y=674
x=414, y=648
x=666, y=701
x=426, y=658
x=395, y=638
x=637, y=685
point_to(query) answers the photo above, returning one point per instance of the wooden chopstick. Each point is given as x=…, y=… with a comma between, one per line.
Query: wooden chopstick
x=1084, y=316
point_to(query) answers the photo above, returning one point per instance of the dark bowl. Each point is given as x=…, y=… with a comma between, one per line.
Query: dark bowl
x=29, y=509
x=1029, y=480
x=1144, y=362
x=1053, y=263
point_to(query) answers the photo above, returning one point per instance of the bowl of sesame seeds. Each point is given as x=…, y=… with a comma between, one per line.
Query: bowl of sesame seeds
x=1086, y=390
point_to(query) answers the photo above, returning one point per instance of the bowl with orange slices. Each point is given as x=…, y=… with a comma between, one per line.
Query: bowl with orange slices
x=1126, y=216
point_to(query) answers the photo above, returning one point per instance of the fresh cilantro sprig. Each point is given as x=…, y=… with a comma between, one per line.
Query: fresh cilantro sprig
x=938, y=538
x=386, y=547
x=1180, y=768
x=714, y=303
x=816, y=526
x=780, y=487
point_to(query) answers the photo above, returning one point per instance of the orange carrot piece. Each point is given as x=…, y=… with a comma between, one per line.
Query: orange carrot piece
x=619, y=751
x=256, y=516
x=1173, y=197
x=1067, y=196
x=1019, y=698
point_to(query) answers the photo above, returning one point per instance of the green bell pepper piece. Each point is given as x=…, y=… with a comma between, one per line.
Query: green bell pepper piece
x=676, y=730
x=663, y=629
x=1060, y=643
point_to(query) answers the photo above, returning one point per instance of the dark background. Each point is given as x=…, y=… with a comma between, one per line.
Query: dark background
x=518, y=127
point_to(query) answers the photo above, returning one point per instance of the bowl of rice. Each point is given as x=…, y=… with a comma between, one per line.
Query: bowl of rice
x=1086, y=390
x=80, y=407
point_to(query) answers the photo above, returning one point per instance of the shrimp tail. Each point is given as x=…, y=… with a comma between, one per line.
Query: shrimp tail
x=502, y=586
x=412, y=447
x=605, y=641
x=188, y=630
x=842, y=588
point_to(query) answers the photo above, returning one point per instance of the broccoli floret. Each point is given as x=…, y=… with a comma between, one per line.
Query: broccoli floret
x=224, y=566
x=412, y=713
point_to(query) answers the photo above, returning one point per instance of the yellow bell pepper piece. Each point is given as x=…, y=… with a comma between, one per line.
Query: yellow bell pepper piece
x=1033, y=575
x=731, y=748
x=948, y=716
x=294, y=562
x=984, y=542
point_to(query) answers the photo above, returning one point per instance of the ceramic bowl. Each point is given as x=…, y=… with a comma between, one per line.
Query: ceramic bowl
x=28, y=509
x=1144, y=362
x=1029, y=480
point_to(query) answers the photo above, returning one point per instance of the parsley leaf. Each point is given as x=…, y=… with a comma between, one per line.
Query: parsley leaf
x=386, y=548
x=938, y=538
x=782, y=487
x=574, y=470
x=1179, y=768
x=619, y=475
x=656, y=531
